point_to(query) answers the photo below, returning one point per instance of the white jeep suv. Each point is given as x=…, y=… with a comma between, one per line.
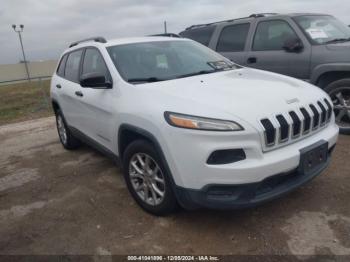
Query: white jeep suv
x=190, y=127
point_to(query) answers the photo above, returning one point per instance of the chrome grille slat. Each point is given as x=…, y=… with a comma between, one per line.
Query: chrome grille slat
x=323, y=114
x=307, y=120
x=296, y=129
x=284, y=128
x=316, y=117
x=270, y=131
x=329, y=109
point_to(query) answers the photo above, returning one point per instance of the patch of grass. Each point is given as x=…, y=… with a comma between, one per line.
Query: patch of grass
x=24, y=101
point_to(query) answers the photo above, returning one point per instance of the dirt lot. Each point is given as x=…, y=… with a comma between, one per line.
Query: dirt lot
x=57, y=202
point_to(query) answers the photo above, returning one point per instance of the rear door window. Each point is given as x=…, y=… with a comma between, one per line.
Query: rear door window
x=71, y=71
x=201, y=34
x=233, y=38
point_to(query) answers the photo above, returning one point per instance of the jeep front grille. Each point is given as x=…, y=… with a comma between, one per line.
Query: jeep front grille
x=283, y=128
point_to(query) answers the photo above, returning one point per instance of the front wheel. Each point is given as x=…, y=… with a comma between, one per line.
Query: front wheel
x=339, y=91
x=147, y=179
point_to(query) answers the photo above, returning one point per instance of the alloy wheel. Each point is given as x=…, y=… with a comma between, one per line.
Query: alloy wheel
x=147, y=179
x=341, y=103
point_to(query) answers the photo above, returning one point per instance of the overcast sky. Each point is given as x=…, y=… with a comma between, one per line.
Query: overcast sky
x=50, y=25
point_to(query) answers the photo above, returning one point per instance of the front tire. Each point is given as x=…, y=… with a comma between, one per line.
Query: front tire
x=339, y=91
x=147, y=179
x=66, y=137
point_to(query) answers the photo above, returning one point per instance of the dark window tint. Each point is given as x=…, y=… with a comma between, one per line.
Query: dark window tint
x=233, y=38
x=72, y=66
x=271, y=35
x=60, y=69
x=201, y=35
x=94, y=63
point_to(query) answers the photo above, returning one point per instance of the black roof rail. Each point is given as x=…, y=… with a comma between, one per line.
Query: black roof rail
x=262, y=15
x=168, y=35
x=99, y=39
x=231, y=20
x=213, y=23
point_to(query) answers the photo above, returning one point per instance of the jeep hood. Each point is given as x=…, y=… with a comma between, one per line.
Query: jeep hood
x=245, y=93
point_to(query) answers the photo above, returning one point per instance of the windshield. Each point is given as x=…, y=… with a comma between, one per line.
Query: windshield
x=323, y=29
x=165, y=60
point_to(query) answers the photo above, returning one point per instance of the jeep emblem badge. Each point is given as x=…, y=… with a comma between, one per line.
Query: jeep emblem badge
x=293, y=100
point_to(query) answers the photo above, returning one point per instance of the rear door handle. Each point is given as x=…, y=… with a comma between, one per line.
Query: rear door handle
x=78, y=93
x=251, y=60
x=59, y=86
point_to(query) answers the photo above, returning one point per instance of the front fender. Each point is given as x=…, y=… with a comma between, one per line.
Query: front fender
x=161, y=149
x=325, y=68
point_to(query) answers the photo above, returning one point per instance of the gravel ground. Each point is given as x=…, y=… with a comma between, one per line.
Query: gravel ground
x=57, y=202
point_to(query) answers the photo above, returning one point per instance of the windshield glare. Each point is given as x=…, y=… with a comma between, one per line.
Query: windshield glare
x=165, y=60
x=323, y=29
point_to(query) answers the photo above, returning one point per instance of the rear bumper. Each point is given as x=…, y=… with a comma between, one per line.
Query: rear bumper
x=240, y=196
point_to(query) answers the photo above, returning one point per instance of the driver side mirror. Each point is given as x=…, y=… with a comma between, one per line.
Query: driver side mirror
x=95, y=80
x=293, y=45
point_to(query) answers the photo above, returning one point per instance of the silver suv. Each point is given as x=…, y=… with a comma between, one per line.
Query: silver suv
x=312, y=47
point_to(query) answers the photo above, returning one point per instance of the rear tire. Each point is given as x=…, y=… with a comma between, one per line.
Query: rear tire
x=66, y=137
x=339, y=91
x=147, y=179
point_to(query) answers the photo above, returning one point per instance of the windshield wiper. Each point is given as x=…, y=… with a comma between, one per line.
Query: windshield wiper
x=202, y=72
x=337, y=40
x=145, y=80
x=156, y=79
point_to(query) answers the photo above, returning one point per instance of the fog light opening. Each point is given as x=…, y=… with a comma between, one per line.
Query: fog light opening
x=226, y=156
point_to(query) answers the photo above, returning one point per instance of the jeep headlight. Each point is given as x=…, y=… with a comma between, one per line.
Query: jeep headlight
x=201, y=123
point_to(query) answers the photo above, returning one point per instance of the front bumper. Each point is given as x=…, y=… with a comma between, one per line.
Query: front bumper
x=238, y=196
x=187, y=151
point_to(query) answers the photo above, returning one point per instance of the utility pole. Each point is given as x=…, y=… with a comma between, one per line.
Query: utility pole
x=19, y=31
x=165, y=29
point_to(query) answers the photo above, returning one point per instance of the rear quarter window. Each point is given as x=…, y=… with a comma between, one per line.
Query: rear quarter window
x=61, y=66
x=201, y=34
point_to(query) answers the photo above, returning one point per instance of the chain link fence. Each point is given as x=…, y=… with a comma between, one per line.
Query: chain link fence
x=22, y=100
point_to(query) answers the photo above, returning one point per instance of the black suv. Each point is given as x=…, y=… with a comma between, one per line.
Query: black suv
x=312, y=47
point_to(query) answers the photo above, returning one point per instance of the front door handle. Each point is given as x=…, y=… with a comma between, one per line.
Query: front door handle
x=78, y=93
x=58, y=86
x=251, y=60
